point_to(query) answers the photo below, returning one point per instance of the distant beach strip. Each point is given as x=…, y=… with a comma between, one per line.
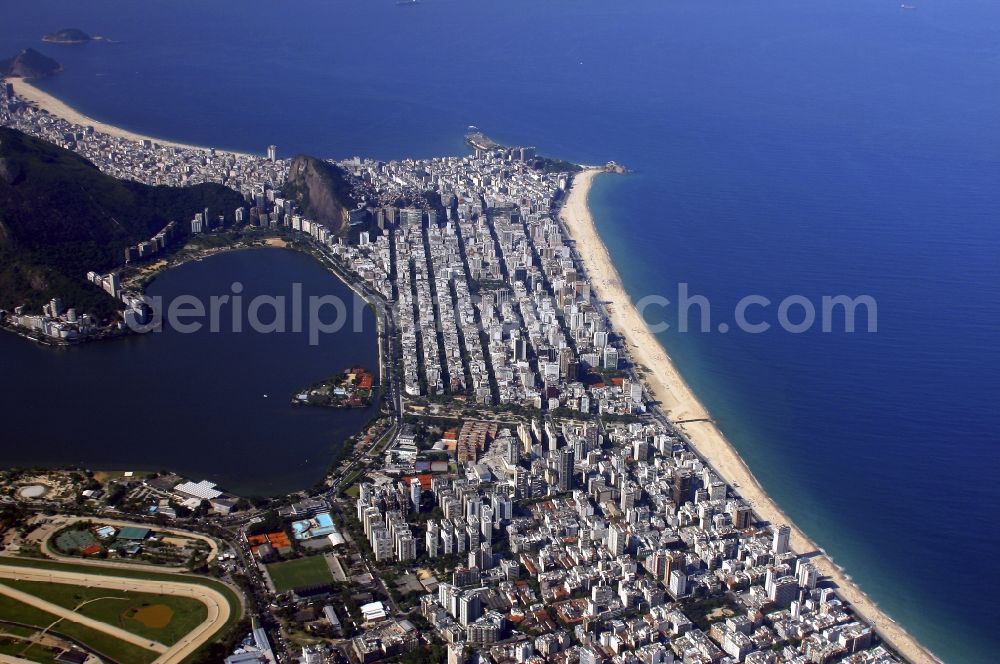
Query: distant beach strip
x=57, y=107
x=680, y=404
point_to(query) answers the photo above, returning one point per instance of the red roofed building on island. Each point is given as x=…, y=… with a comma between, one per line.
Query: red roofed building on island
x=361, y=378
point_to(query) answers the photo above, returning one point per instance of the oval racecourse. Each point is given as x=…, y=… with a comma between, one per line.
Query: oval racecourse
x=137, y=609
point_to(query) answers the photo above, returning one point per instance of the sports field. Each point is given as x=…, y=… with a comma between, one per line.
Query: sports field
x=300, y=573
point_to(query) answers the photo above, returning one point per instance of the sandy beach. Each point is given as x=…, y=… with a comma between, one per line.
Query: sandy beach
x=46, y=102
x=667, y=386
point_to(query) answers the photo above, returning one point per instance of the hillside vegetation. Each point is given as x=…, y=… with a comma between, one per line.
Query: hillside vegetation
x=61, y=217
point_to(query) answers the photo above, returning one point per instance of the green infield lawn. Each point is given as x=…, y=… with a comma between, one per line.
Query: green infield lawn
x=162, y=618
x=13, y=611
x=300, y=573
x=140, y=655
x=235, y=606
x=35, y=653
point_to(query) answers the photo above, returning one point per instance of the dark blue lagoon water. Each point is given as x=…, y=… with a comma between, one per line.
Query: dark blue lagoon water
x=786, y=147
x=213, y=405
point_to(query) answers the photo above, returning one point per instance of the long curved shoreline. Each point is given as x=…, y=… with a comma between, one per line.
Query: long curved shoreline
x=57, y=107
x=666, y=385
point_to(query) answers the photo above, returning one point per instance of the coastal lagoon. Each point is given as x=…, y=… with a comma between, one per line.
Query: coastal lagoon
x=777, y=148
x=207, y=405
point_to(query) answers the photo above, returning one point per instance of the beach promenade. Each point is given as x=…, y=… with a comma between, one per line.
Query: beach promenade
x=680, y=404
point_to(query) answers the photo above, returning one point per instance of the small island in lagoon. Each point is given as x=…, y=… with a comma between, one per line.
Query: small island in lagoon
x=351, y=388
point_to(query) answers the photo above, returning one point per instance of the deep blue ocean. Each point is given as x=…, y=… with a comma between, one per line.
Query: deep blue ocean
x=790, y=147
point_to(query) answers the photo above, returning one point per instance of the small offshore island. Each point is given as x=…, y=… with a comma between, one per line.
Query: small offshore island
x=506, y=499
x=70, y=36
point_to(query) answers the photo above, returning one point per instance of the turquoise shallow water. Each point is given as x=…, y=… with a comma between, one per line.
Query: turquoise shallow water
x=788, y=147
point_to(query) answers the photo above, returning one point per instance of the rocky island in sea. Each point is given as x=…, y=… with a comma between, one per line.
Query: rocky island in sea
x=72, y=36
x=69, y=36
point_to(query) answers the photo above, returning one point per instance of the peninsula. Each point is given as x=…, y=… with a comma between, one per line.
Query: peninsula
x=525, y=492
